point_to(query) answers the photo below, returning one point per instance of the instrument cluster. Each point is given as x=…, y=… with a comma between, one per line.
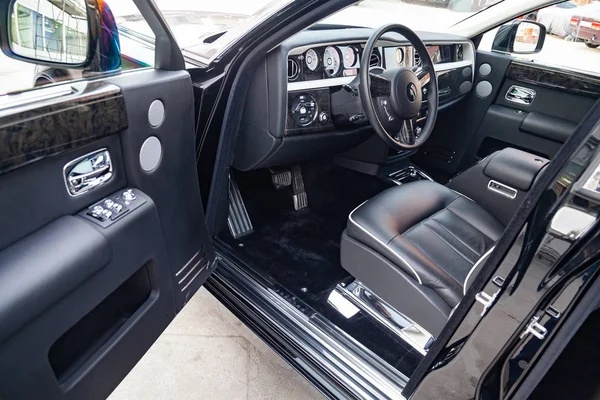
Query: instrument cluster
x=324, y=62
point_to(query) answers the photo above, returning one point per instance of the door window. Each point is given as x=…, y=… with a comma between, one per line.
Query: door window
x=40, y=29
x=572, y=35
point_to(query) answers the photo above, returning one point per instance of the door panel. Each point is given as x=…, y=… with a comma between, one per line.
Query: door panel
x=84, y=299
x=487, y=121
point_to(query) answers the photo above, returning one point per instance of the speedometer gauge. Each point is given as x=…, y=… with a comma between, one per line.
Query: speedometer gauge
x=350, y=56
x=312, y=60
x=331, y=61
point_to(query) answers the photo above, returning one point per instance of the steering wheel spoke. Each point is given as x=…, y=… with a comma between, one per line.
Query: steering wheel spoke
x=380, y=86
x=424, y=75
x=409, y=132
x=401, y=103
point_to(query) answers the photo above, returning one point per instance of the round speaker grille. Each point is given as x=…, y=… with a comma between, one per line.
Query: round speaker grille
x=156, y=113
x=485, y=69
x=150, y=154
x=484, y=89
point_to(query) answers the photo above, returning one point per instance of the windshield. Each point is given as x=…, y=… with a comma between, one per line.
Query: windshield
x=423, y=15
x=203, y=29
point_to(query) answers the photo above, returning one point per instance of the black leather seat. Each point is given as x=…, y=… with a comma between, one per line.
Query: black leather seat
x=415, y=246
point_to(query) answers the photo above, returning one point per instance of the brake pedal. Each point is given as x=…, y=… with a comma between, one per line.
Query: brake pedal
x=238, y=220
x=281, y=178
x=298, y=190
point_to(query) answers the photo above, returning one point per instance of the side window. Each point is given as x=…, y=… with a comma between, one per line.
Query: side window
x=572, y=35
x=57, y=31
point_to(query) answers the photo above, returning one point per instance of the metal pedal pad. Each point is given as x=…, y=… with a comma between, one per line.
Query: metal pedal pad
x=300, y=201
x=238, y=220
x=298, y=191
x=281, y=178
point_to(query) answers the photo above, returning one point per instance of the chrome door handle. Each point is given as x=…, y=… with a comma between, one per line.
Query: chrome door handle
x=520, y=95
x=88, y=172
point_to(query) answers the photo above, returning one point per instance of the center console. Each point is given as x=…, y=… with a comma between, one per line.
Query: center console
x=500, y=182
x=408, y=174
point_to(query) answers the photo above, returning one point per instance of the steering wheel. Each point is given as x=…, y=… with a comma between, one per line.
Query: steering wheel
x=392, y=100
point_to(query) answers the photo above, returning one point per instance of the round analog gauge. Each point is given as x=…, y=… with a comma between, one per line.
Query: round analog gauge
x=331, y=61
x=312, y=60
x=350, y=57
x=399, y=57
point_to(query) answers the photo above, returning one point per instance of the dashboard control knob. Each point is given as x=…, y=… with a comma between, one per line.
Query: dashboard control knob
x=323, y=117
x=304, y=109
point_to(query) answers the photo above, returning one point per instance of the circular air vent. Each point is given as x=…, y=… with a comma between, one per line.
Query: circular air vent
x=459, y=52
x=293, y=69
x=375, y=60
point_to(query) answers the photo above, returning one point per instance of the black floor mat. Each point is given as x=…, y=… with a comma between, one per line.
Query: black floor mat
x=300, y=250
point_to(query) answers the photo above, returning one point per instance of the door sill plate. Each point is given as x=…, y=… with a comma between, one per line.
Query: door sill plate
x=309, y=338
x=358, y=297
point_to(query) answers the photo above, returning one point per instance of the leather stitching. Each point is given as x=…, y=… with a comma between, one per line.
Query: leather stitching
x=449, y=244
x=426, y=218
x=457, y=238
x=474, y=227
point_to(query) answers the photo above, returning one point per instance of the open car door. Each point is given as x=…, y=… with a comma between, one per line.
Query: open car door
x=103, y=236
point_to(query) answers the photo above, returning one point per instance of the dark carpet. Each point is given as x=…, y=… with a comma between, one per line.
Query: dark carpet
x=300, y=250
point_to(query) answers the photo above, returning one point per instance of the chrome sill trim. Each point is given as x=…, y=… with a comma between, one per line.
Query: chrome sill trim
x=350, y=363
x=412, y=333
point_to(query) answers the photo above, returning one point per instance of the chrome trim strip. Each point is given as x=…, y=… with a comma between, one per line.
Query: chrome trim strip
x=412, y=333
x=483, y=257
x=183, y=289
x=188, y=263
x=345, y=80
x=320, y=83
x=34, y=95
x=315, y=338
x=383, y=244
x=494, y=185
x=452, y=65
x=190, y=271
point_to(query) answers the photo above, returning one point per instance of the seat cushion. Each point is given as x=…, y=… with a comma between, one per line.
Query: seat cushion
x=431, y=232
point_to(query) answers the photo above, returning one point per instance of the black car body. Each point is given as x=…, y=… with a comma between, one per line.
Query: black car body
x=419, y=223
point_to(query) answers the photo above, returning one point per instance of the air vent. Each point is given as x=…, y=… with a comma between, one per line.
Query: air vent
x=375, y=60
x=417, y=59
x=293, y=69
x=459, y=52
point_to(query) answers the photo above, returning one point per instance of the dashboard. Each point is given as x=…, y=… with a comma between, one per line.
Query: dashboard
x=296, y=110
x=344, y=60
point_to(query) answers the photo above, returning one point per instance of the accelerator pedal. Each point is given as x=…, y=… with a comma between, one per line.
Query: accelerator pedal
x=238, y=219
x=298, y=190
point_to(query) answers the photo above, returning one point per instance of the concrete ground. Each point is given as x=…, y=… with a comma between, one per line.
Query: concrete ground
x=207, y=353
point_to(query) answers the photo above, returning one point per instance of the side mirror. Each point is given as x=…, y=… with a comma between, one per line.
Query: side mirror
x=520, y=37
x=72, y=34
